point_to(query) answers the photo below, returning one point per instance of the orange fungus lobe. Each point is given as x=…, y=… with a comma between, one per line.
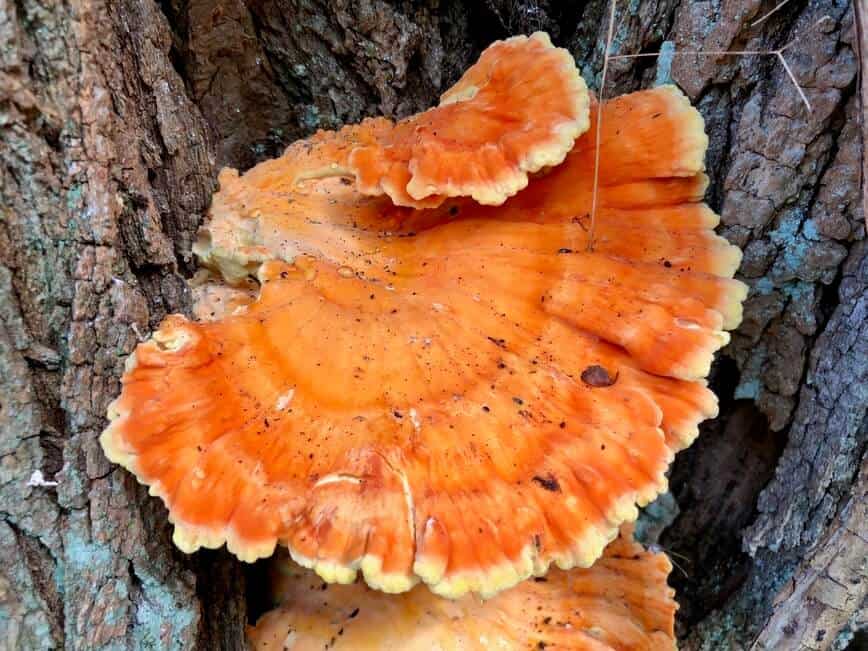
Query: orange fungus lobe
x=460, y=395
x=622, y=602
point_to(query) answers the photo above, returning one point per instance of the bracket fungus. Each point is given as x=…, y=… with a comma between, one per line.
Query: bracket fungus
x=516, y=111
x=622, y=602
x=461, y=395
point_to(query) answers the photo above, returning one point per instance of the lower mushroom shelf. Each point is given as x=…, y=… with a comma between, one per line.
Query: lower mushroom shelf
x=622, y=602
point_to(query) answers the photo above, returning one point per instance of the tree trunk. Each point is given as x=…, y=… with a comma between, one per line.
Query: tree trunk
x=115, y=116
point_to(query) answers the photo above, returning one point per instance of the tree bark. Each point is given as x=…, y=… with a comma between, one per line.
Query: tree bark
x=115, y=117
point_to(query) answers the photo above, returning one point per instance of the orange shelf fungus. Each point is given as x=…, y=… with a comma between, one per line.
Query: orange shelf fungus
x=462, y=395
x=516, y=111
x=622, y=602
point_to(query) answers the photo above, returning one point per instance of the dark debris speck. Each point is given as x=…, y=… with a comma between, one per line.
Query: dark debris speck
x=550, y=483
x=597, y=376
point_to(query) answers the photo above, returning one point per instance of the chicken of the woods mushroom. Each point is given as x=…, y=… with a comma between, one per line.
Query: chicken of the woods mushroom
x=621, y=602
x=461, y=395
x=516, y=111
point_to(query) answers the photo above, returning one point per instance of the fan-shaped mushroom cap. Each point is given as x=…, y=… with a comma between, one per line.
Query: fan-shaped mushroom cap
x=621, y=602
x=463, y=399
x=517, y=110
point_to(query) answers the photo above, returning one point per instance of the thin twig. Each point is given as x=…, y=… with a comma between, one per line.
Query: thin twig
x=795, y=83
x=693, y=53
x=701, y=53
x=801, y=37
x=610, y=37
x=778, y=6
x=779, y=53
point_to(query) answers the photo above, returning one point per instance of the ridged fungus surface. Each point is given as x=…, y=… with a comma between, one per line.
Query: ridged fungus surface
x=461, y=395
x=517, y=110
x=622, y=602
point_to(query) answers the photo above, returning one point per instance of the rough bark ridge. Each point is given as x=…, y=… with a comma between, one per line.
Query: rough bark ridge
x=106, y=169
x=114, y=118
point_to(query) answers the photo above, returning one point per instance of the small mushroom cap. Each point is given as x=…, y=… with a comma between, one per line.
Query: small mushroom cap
x=463, y=399
x=621, y=602
x=517, y=110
